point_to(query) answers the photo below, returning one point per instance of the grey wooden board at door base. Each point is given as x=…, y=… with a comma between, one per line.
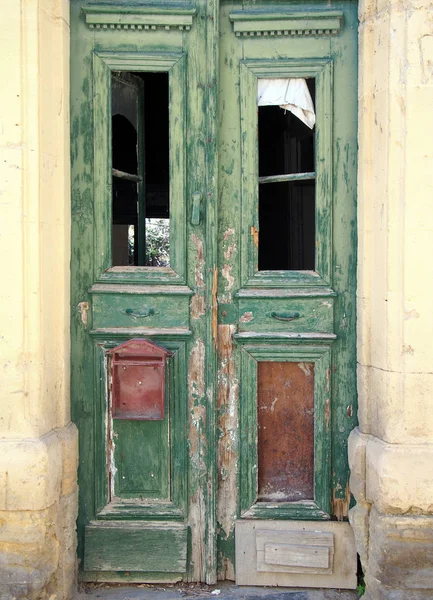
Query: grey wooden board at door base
x=228, y=591
x=342, y=576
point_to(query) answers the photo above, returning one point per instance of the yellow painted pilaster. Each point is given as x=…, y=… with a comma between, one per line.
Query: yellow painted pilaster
x=392, y=449
x=38, y=454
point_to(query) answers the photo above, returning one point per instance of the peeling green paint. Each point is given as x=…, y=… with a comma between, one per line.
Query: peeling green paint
x=220, y=295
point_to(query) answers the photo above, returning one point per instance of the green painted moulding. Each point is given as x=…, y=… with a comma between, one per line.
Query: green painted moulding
x=260, y=23
x=139, y=17
x=132, y=546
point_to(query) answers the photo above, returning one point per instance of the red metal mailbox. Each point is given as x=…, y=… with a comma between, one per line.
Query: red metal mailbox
x=138, y=380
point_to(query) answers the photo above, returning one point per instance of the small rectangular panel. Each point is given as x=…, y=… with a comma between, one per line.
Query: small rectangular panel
x=252, y=536
x=288, y=555
x=294, y=551
x=133, y=546
x=285, y=419
x=141, y=459
x=136, y=310
x=293, y=314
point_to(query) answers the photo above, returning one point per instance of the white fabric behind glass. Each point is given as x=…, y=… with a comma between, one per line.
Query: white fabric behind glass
x=290, y=94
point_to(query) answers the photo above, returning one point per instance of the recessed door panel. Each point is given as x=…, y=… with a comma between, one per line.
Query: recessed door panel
x=285, y=421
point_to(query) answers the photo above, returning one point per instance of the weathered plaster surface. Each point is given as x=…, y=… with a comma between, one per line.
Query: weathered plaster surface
x=392, y=451
x=38, y=450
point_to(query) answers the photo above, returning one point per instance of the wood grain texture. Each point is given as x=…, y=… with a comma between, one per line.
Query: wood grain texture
x=130, y=546
x=252, y=536
x=295, y=551
x=287, y=555
x=285, y=419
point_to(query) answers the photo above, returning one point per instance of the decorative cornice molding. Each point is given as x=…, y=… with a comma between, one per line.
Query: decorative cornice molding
x=312, y=23
x=141, y=18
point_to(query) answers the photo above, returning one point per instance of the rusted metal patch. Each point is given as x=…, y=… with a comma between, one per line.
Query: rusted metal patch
x=255, y=234
x=285, y=431
x=227, y=406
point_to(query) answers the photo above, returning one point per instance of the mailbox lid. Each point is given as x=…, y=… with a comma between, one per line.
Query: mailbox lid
x=141, y=349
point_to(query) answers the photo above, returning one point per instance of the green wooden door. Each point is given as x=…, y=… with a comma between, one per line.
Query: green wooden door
x=224, y=233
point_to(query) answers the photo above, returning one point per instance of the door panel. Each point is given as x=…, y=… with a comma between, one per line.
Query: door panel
x=285, y=402
x=284, y=311
x=249, y=294
x=146, y=485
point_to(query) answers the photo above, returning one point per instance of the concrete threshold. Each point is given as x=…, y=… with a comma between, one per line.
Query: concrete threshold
x=221, y=591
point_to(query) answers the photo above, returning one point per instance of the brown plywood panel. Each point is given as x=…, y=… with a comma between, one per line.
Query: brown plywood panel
x=285, y=416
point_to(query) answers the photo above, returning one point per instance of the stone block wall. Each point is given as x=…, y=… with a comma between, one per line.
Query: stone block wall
x=391, y=453
x=38, y=444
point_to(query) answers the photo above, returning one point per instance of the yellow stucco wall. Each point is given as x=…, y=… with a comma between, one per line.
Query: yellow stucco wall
x=392, y=450
x=391, y=453
x=38, y=455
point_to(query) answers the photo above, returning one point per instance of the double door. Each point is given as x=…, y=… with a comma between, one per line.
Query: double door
x=213, y=290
